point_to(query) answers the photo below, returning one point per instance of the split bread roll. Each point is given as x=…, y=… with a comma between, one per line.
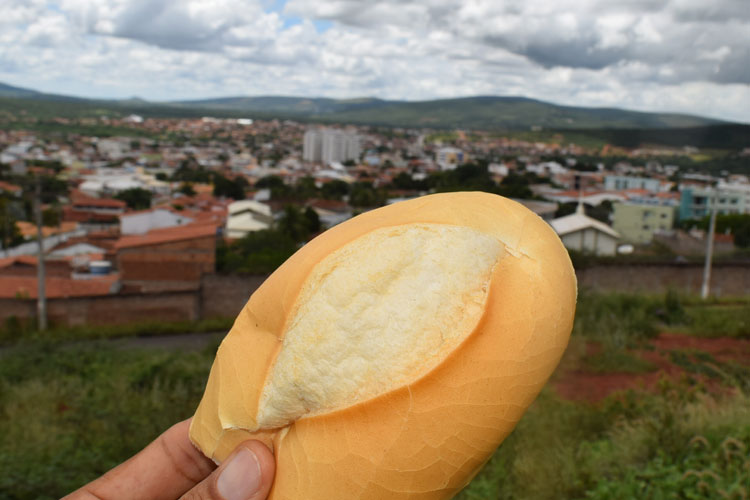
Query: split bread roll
x=390, y=356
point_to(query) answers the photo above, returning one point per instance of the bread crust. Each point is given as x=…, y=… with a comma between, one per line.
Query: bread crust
x=428, y=439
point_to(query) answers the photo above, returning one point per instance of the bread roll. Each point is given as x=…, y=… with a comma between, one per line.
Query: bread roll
x=390, y=356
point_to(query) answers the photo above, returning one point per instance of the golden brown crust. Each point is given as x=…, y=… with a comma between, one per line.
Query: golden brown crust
x=426, y=440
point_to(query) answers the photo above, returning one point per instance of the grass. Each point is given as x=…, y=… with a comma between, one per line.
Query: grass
x=676, y=444
x=15, y=331
x=620, y=361
x=69, y=411
x=719, y=321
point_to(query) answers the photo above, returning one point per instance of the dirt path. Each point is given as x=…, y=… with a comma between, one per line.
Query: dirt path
x=674, y=356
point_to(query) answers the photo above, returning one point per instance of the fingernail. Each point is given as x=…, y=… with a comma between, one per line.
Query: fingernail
x=240, y=479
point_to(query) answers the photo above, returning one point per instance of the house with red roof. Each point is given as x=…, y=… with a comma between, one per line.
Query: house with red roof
x=94, y=213
x=166, y=259
x=6, y=187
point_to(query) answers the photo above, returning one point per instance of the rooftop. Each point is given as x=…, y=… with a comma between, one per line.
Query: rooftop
x=167, y=235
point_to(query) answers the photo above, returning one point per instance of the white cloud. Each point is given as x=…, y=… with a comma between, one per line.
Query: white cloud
x=679, y=55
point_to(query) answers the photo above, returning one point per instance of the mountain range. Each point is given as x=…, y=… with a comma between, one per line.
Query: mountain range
x=480, y=112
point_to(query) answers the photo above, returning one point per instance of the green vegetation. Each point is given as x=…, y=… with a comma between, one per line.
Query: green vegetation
x=587, y=127
x=676, y=444
x=15, y=330
x=70, y=411
x=359, y=194
x=736, y=224
x=135, y=198
x=718, y=321
x=617, y=361
x=261, y=252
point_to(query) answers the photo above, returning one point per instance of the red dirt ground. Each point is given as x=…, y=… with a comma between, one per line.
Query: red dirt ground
x=581, y=385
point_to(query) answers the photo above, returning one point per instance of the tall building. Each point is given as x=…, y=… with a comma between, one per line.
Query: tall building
x=313, y=146
x=330, y=146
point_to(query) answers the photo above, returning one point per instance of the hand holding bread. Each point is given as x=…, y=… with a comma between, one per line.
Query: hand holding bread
x=390, y=356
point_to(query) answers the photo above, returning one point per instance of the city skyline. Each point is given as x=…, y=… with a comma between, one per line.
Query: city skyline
x=679, y=56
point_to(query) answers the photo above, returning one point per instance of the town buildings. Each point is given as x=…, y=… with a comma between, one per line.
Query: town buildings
x=330, y=145
x=637, y=223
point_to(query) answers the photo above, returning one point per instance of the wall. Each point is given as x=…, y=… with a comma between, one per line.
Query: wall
x=726, y=279
x=109, y=309
x=174, y=261
x=225, y=295
x=590, y=240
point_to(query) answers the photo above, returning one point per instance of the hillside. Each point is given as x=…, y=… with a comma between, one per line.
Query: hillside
x=482, y=112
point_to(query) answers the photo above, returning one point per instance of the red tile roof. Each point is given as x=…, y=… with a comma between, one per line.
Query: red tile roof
x=80, y=199
x=28, y=260
x=28, y=230
x=179, y=233
x=26, y=287
x=11, y=188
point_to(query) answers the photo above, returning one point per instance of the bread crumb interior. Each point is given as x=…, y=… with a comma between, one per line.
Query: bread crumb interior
x=378, y=314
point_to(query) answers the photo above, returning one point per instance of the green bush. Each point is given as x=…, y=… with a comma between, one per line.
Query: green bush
x=70, y=413
x=719, y=321
x=634, y=446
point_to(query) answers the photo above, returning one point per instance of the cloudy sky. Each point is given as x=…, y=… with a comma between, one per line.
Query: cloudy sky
x=690, y=56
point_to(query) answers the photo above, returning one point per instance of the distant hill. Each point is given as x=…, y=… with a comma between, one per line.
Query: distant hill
x=482, y=112
x=11, y=91
x=516, y=115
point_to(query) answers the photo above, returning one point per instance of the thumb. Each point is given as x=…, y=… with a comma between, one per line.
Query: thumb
x=246, y=475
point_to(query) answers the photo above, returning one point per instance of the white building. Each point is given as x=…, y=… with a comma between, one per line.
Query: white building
x=623, y=182
x=449, y=158
x=246, y=216
x=146, y=220
x=547, y=169
x=583, y=234
x=727, y=198
x=330, y=145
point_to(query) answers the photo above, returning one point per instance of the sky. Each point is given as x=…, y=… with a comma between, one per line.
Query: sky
x=687, y=56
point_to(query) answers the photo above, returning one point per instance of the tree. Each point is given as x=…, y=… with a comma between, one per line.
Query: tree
x=135, y=198
x=515, y=186
x=229, y=188
x=298, y=224
x=51, y=216
x=334, y=190
x=406, y=182
x=466, y=177
x=10, y=235
x=279, y=190
x=186, y=188
x=305, y=189
x=736, y=224
x=312, y=221
x=362, y=194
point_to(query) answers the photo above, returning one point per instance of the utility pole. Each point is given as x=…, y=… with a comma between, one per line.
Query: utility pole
x=709, y=248
x=41, y=301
